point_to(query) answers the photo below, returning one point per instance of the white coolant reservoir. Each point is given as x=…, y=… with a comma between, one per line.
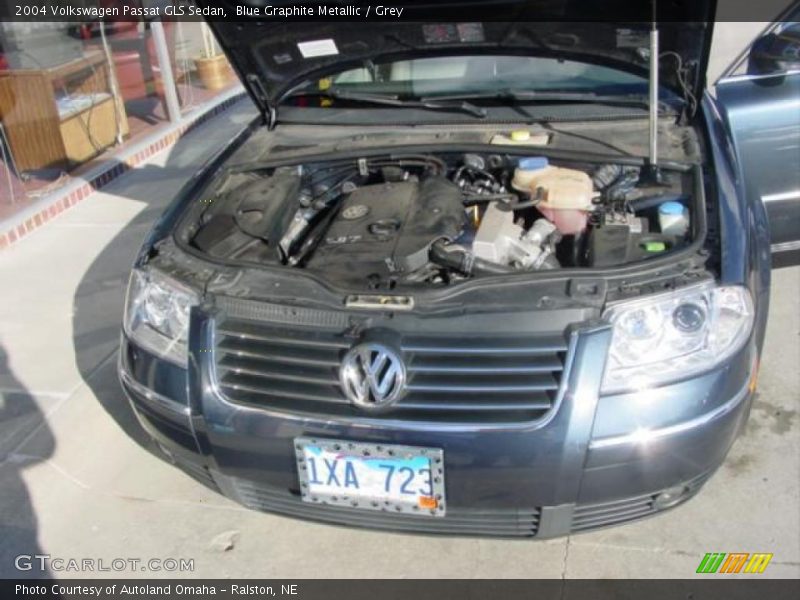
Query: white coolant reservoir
x=566, y=194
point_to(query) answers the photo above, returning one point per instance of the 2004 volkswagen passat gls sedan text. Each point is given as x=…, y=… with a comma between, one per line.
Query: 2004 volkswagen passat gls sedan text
x=452, y=282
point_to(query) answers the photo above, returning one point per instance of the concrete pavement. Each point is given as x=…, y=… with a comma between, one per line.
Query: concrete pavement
x=79, y=480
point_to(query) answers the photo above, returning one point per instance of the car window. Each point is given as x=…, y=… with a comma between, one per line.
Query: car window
x=467, y=74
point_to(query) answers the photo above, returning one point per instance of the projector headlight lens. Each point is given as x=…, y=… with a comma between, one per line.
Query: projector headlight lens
x=676, y=335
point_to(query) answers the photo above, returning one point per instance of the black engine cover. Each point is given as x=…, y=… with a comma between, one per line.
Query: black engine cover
x=388, y=228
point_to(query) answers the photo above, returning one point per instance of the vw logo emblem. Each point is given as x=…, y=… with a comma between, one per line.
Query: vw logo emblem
x=372, y=375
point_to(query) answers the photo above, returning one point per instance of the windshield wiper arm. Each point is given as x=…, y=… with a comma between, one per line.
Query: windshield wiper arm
x=545, y=97
x=454, y=105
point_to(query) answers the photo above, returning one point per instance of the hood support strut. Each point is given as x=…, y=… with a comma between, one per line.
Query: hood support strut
x=651, y=173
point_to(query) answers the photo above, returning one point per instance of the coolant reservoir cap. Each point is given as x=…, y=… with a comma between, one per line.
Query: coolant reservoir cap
x=533, y=163
x=671, y=208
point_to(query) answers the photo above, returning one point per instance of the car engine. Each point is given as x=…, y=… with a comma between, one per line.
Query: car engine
x=388, y=228
x=392, y=220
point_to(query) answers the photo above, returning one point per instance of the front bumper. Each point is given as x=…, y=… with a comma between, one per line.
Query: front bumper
x=594, y=461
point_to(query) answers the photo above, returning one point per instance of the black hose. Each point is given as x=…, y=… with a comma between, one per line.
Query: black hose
x=428, y=158
x=481, y=198
x=646, y=202
x=520, y=205
x=535, y=200
x=407, y=160
x=464, y=262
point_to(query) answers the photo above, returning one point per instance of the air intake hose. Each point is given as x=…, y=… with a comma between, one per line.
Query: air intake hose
x=458, y=259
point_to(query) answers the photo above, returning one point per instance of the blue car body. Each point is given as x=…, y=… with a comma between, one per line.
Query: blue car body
x=587, y=460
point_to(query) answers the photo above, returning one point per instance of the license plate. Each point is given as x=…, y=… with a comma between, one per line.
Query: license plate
x=391, y=478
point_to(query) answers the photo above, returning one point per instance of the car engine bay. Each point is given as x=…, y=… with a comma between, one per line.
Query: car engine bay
x=389, y=220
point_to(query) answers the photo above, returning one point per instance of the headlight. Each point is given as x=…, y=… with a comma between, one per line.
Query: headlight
x=157, y=314
x=675, y=335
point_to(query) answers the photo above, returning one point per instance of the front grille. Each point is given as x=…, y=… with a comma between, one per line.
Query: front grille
x=591, y=516
x=450, y=379
x=495, y=523
x=599, y=515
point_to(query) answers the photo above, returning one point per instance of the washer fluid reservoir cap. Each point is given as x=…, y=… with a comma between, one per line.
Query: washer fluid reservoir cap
x=533, y=163
x=671, y=208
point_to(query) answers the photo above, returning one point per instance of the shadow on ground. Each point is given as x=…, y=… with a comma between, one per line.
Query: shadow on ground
x=20, y=418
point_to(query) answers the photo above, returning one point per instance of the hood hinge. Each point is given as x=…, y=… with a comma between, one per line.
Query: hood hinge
x=269, y=113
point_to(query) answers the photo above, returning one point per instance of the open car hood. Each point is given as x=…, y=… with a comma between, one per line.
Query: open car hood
x=274, y=55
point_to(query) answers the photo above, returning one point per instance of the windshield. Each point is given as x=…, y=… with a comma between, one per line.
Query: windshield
x=457, y=75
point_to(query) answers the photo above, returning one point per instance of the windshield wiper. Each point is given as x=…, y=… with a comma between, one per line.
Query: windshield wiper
x=443, y=104
x=549, y=97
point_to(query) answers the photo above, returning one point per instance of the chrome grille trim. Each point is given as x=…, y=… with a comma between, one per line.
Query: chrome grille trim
x=491, y=379
x=284, y=340
x=548, y=345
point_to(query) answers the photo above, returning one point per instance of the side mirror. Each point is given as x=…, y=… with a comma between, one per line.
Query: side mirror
x=776, y=52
